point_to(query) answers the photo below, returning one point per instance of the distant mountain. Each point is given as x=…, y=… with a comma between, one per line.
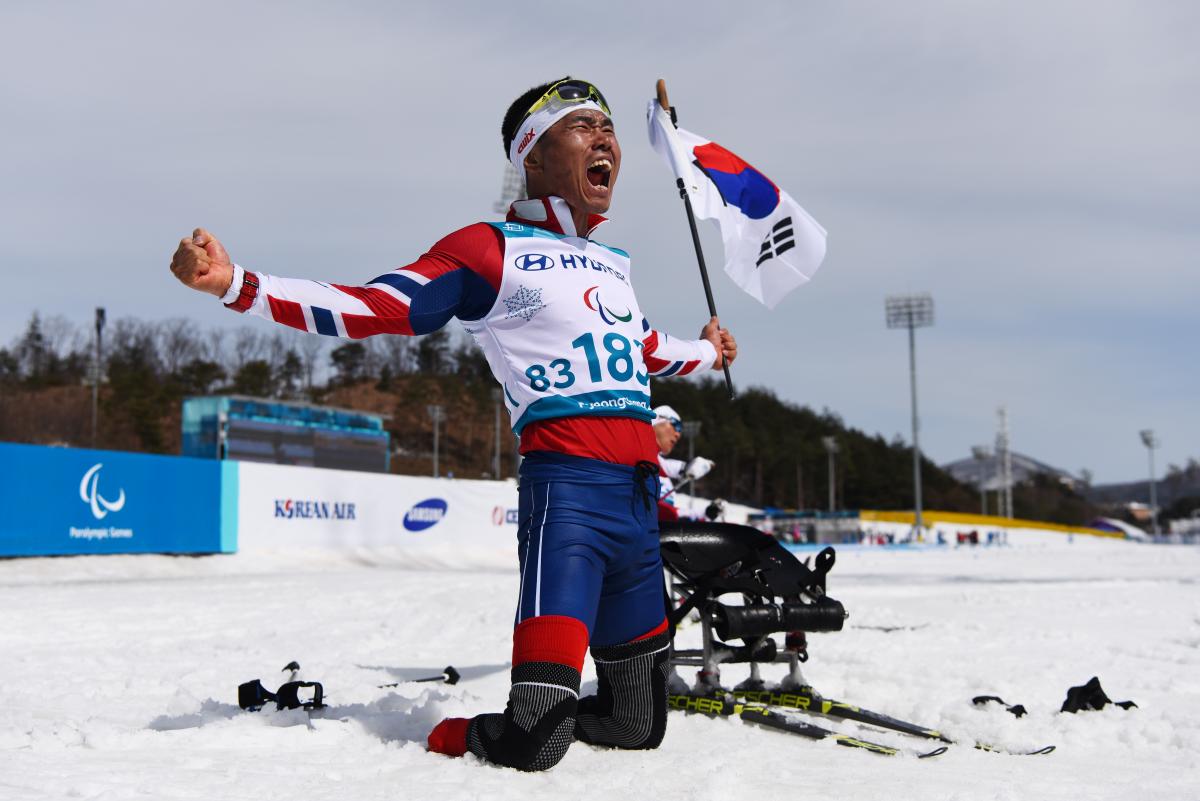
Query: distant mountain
x=1178, y=484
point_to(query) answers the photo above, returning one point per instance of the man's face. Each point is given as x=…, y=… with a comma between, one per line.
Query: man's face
x=667, y=436
x=578, y=160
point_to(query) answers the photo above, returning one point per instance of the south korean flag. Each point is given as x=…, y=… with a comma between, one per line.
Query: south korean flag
x=772, y=245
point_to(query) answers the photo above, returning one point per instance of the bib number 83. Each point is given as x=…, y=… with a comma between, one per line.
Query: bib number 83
x=617, y=361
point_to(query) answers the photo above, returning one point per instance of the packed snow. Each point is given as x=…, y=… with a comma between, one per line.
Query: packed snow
x=118, y=679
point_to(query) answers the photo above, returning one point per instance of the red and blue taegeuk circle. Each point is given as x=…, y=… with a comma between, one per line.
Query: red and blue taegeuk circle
x=740, y=184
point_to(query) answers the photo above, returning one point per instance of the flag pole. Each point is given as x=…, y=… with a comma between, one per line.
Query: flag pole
x=661, y=88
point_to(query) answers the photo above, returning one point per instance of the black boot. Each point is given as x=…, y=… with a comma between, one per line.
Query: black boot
x=535, y=730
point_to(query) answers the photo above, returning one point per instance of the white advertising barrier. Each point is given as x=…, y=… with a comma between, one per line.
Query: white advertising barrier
x=402, y=520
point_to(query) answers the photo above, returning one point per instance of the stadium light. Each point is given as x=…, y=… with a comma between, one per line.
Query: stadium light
x=1151, y=442
x=436, y=414
x=96, y=357
x=691, y=428
x=981, y=454
x=831, y=448
x=1004, y=495
x=912, y=312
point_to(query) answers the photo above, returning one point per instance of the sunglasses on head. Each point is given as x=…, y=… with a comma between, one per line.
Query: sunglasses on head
x=570, y=91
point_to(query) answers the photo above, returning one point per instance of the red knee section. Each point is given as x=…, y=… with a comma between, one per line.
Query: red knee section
x=450, y=737
x=550, y=638
x=659, y=629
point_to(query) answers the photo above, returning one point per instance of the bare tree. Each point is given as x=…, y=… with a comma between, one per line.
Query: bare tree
x=397, y=354
x=248, y=346
x=179, y=342
x=212, y=346
x=62, y=337
x=133, y=341
x=312, y=351
x=276, y=348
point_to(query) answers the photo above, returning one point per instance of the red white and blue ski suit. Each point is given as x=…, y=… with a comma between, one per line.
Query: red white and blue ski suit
x=555, y=314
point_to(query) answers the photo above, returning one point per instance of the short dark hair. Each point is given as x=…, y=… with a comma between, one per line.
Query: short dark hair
x=516, y=112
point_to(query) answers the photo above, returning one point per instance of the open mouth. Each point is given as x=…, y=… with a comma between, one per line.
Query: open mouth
x=599, y=172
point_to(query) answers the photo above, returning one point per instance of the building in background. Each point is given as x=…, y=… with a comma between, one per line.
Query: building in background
x=283, y=432
x=986, y=470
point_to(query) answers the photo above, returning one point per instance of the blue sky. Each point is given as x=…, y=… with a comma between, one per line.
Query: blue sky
x=1033, y=166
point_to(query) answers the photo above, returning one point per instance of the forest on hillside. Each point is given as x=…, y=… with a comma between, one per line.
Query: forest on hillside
x=768, y=452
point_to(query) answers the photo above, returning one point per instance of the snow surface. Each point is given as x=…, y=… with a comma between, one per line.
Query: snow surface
x=118, y=680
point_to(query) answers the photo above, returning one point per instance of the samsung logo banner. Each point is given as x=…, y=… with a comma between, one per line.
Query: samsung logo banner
x=425, y=514
x=292, y=509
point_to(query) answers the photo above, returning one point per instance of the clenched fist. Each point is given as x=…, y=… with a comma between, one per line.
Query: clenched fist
x=722, y=340
x=201, y=263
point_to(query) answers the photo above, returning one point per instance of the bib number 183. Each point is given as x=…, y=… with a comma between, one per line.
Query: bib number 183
x=617, y=360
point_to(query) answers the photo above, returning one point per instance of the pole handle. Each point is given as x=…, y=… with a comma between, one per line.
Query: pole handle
x=661, y=89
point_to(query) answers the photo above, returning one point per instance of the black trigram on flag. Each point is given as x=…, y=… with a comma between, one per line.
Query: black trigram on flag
x=781, y=238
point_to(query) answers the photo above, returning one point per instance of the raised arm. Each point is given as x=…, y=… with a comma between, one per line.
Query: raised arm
x=458, y=277
x=667, y=356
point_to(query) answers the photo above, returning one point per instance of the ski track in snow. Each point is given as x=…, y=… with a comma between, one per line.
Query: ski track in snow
x=119, y=675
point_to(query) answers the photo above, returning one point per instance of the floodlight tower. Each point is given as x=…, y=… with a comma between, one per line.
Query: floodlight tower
x=912, y=312
x=831, y=448
x=691, y=428
x=981, y=454
x=1151, y=442
x=97, y=360
x=437, y=414
x=497, y=401
x=1004, y=455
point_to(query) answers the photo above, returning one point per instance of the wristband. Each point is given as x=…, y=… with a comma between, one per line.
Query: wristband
x=246, y=294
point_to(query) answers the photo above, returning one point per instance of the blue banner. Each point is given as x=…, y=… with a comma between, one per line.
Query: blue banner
x=72, y=501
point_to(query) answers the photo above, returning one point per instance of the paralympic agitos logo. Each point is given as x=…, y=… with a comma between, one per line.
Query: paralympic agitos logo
x=591, y=299
x=89, y=493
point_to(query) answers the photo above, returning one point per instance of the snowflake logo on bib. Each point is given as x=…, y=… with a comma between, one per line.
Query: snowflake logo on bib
x=524, y=303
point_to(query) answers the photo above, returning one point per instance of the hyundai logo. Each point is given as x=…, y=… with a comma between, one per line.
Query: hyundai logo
x=428, y=512
x=89, y=493
x=534, y=262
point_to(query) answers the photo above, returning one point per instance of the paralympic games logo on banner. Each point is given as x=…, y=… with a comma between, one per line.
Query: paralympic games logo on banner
x=425, y=514
x=101, y=507
x=89, y=493
x=60, y=501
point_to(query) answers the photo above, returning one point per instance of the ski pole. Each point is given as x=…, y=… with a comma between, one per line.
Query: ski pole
x=447, y=676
